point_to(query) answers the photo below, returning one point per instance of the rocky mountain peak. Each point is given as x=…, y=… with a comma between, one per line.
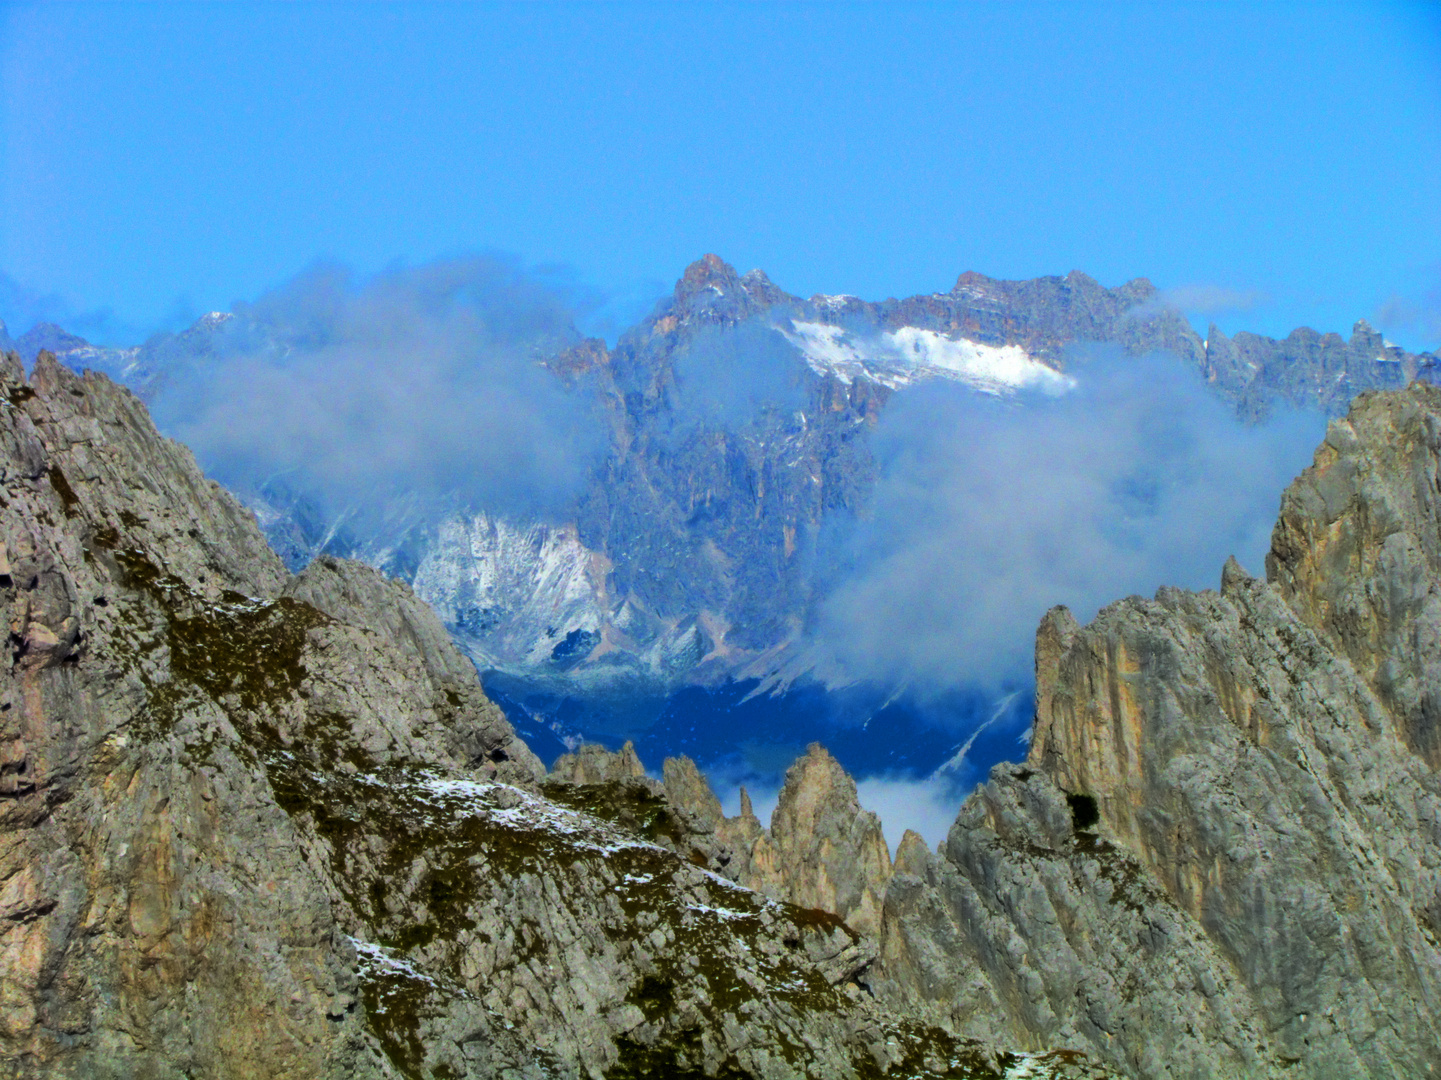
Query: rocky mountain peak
x=686, y=787
x=261, y=825
x=912, y=855
x=764, y=291
x=710, y=291
x=49, y=337
x=829, y=851
x=1366, y=340
x=1366, y=512
x=1234, y=577
x=594, y=764
x=970, y=279
x=708, y=272
x=1139, y=290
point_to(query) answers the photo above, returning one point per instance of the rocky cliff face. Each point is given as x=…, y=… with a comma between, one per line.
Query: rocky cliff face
x=1223, y=854
x=262, y=825
x=695, y=553
x=1306, y=368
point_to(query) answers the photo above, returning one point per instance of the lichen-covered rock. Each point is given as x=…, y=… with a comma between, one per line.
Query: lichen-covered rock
x=1223, y=855
x=470, y=728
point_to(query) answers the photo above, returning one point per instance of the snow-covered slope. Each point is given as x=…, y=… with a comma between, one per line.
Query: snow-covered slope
x=899, y=357
x=518, y=595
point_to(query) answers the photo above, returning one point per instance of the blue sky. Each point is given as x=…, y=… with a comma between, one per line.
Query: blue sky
x=1276, y=164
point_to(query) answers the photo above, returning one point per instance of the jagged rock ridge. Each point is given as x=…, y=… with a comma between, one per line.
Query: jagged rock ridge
x=822, y=850
x=257, y=824
x=1222, y=857
x=224, y=784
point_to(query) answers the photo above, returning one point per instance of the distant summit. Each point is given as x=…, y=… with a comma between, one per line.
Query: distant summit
x=48, y=336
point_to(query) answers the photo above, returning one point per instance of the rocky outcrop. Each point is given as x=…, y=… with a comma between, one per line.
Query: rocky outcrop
x=1223, y=854
x=255, y=825
x=166, y=910
x=594, y=764
x=1357, y=554
x=822, y=850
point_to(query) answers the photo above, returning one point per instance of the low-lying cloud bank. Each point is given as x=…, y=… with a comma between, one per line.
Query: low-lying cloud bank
x=415, y=383
x=990, y=511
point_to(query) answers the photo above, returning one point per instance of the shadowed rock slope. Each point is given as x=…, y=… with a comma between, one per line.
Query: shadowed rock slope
x=255, y=825
x=1223, y=854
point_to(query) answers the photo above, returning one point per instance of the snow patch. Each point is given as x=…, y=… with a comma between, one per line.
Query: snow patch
x=725, y=914
x=378, y=958
x=513, y=590
x=900, y=357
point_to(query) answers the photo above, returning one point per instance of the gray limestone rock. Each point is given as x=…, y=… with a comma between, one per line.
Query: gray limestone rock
x=688, y=789
x=262, y=826
x=592, y=763
x=823, y=851
x=1222, y=856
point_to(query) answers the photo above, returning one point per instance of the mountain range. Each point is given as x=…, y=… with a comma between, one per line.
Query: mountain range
x=258, y=823
x=738, y=422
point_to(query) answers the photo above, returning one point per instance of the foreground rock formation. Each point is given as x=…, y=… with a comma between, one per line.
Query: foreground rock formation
x=1223, y=854
x=256, y=825
x=822, y=850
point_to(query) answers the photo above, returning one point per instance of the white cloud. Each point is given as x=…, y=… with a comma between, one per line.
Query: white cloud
x=1213, y=299
x=989, y=512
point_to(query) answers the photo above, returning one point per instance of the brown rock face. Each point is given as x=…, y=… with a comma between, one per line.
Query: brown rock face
x=823, y=850
x=1357, y=554
x=1223, y=855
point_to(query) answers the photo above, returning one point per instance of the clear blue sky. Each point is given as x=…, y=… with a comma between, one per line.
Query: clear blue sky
x=162, y=160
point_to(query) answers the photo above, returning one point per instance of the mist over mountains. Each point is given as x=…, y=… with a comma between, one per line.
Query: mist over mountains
x=988, y=510
x=751, y=492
